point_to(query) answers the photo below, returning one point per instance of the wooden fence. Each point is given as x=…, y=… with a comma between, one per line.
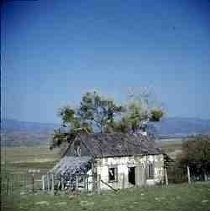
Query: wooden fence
x=19, y=184
x=31, y=183
x=83, y=183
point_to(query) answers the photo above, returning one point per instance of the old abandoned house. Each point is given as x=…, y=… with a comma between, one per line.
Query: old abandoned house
x=110, y=160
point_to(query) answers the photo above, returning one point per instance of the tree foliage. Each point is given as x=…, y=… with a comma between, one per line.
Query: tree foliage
x=196, y=155
x=156, y=115
x=96, y=113
x=138, y=112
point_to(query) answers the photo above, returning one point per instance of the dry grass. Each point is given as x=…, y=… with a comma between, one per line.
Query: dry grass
x=28, y=154
x=175, y=197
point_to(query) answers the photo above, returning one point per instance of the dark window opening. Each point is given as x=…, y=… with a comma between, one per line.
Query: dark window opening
x=112, y=174
x=150, y=171
x=131, y=175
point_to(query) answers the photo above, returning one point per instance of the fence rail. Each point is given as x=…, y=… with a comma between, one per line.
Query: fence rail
x=19, y=183
x=12, y=183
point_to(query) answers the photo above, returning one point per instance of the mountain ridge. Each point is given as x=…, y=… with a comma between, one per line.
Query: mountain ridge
x=22, y=133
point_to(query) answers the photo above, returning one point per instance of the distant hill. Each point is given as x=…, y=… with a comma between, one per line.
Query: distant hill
x=175, y=127
x=19, y=133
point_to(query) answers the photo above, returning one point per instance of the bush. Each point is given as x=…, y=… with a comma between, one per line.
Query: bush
x=176, y=173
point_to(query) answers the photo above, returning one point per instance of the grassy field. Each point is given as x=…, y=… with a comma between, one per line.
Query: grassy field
x=171, y=146
x=175, y=197
x=28, y=154
x=21, y=159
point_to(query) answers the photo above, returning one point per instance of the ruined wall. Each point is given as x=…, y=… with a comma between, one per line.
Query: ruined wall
x=102, y=166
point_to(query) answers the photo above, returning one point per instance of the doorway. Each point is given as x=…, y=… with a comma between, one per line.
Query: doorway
x=131, y=175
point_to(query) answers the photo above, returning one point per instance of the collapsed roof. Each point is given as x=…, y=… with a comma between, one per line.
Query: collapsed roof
x=117, y=144
x=69, y=167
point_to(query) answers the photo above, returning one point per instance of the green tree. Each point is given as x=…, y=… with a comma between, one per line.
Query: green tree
x=196, y=155
x=94, y=114
x=138, y=112
x=98, y=111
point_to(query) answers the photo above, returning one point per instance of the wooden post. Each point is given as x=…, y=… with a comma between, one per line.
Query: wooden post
x=94, y=182
x=123, y=185
x=99, y=184
x=32, y=179
x=87, y=183
x=43, y=182
x=52, y=183
x=62, y=184
x=205, y=175
x=109, y=185
x=77, y=181
x=7, y=185
x=188, y=175
x=166, y=176
x=144, y=176
x=84, y=180
x=10, y=187
x=48, y=182
x=26, y=183
x=16, y=178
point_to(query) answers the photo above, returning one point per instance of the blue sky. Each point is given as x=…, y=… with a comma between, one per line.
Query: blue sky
x=53, y=51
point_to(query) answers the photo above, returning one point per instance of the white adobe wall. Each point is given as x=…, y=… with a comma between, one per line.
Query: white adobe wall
x=122, y=163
